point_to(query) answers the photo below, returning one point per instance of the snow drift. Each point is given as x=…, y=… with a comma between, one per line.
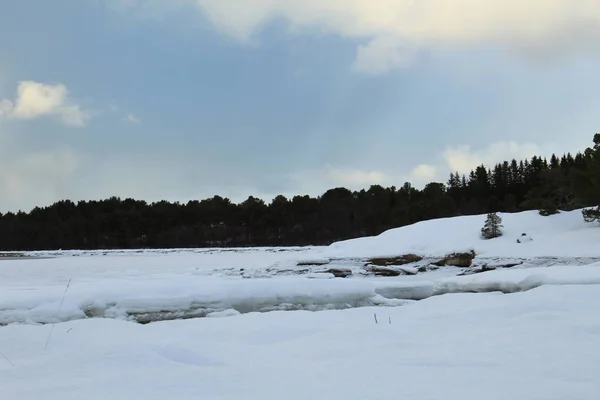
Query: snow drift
x=559, y=235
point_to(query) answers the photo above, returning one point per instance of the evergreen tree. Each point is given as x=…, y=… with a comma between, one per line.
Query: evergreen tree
x=493, y=226
x=591, y=214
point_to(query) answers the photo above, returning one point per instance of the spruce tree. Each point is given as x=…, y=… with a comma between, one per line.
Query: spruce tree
x=493, y=226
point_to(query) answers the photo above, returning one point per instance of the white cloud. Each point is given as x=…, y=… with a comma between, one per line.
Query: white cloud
x=389, y=27
x=132, y=119
x=424, y=173
x=35, y=100
x=463, y=159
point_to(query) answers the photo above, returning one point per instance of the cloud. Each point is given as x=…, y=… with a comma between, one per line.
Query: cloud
x=424, y=173
x=132, y=119
x=382, y=55
x=390, y=27
x=463, y=159
x=35, y=100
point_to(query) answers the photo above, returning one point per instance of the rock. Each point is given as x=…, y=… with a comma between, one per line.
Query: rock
x=291, y=271
x=339, y=272
x=383, y=271
x=457, y=260
x=401, y=260
x=423, y=268
x=484, y=268
x=524, y=238
x=315, y=261
x=508, y=265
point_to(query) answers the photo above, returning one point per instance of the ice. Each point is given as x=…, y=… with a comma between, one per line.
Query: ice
x=518, y=280
x=178, y=297
x=182, y=297
x=539, y=344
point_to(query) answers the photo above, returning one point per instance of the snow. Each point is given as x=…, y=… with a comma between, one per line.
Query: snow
x=239, y=323
x=539, y=344
x=186, y=295
x=560, y=235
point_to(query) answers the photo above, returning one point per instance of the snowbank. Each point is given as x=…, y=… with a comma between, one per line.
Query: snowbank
x=519, y=280
x=541, y=344
x=560, y=235
x=181, y=297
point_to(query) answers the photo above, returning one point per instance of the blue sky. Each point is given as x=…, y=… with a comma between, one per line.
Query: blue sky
x=191, y=98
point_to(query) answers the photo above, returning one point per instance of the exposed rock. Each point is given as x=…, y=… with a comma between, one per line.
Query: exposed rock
x=400, y=260
x=524, y=238
x=291, y=271
x=508, y=265
x=316, y=261
x=457, y=260
x=339, y=272
x=423, y=268
x=484, y=268
x=383, y=271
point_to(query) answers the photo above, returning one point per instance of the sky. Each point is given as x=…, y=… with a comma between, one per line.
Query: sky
x=187, y=99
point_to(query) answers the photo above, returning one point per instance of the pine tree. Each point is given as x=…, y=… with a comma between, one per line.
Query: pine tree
x=493, y=226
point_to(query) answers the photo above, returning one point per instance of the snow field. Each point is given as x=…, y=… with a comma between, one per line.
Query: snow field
x=539, y=344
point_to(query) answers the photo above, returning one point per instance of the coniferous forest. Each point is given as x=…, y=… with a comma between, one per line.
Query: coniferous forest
x=565, y=182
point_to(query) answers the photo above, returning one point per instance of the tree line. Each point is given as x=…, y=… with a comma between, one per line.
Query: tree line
x=564, y=183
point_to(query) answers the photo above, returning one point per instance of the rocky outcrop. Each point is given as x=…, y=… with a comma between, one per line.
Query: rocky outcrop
x=383, y=271
x=457, y=260
x=313, y=262
x=524, y=238
x=484, y=268
x=339, y=272
x=400, y=260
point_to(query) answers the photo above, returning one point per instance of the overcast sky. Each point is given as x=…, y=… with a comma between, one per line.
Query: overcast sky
x=184, y=99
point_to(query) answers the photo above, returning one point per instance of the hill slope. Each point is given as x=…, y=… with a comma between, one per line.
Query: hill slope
x=561, y=235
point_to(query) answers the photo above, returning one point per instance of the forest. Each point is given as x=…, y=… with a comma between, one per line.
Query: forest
x=560, y=183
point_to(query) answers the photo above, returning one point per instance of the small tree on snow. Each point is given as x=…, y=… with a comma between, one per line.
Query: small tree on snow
x=493, y=226
x=591, y=215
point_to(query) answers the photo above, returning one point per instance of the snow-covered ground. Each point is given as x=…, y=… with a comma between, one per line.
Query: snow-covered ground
x=150, y=285
x=560, y=235
x=444, y=331
x=540, y=344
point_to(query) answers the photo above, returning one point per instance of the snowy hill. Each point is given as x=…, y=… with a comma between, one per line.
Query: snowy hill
x=560, y=235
